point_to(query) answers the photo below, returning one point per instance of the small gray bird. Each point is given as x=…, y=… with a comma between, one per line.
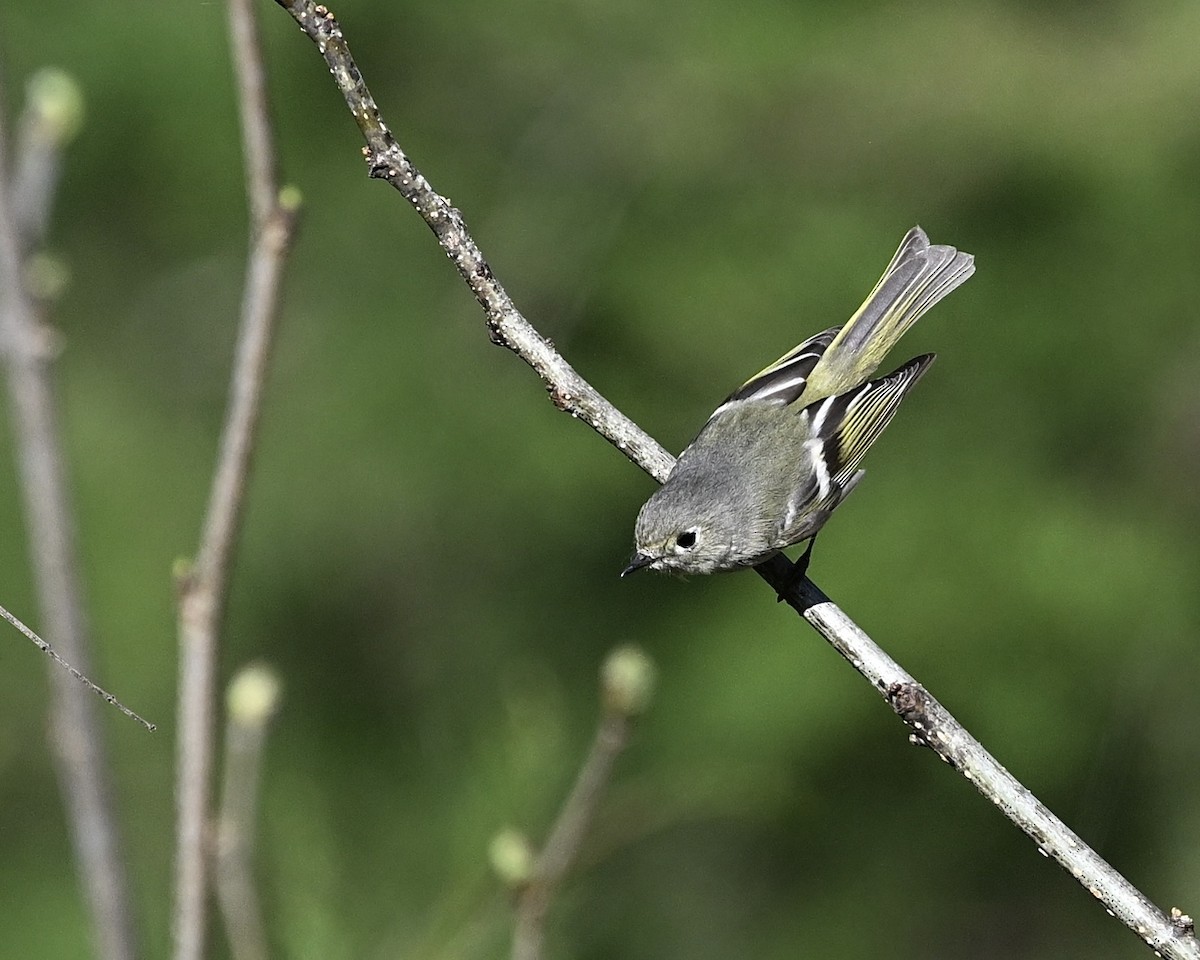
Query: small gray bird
x=777, y=457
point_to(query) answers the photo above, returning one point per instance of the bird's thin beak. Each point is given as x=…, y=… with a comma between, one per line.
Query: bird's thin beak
x=639, y=560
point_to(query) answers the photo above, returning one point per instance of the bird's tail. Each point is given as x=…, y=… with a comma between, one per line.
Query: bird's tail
x=919, y=275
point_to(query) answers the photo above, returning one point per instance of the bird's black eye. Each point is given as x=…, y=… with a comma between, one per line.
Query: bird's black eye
x=687, y=539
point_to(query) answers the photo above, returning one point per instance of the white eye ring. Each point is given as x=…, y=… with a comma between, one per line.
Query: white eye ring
x=686, y=540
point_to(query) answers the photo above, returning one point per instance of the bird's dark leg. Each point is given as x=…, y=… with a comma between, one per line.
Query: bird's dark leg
x=799, y=569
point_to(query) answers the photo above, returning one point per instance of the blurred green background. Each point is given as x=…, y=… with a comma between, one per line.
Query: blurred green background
x=675, y=194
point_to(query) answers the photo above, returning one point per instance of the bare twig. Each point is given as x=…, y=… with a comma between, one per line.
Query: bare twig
x=626, y=682
x=53, y=655
x=506, y=326
x=52, y=117
x=571, y=393
x=933, y=726
x=204, y=588
x=560, y=851
x=252, y=700
x=258, y=135
x=77, y=741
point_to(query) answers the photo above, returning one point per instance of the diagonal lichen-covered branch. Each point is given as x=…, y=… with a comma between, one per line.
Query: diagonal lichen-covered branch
x=930, y=723
x=506, y=326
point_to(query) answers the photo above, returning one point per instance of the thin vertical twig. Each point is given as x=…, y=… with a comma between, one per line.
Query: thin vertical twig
x=76, y=739
x=53, y=118
x=627, y=682
x=258, y=135
x=251, y=702
x=533, y=902
x=203, y=589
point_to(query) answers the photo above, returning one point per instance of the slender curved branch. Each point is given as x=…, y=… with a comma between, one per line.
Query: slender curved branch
x=567, y=835
x=932, y=725
x=204, y=588
x=626, y=686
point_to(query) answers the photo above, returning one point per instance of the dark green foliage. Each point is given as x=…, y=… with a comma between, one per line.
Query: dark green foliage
x=431, y=551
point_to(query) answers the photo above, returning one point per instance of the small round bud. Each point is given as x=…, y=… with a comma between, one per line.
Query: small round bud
x=627, y=679
x=57, y=103
x=512, y=857
x=253, y=695
x=291, y=198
